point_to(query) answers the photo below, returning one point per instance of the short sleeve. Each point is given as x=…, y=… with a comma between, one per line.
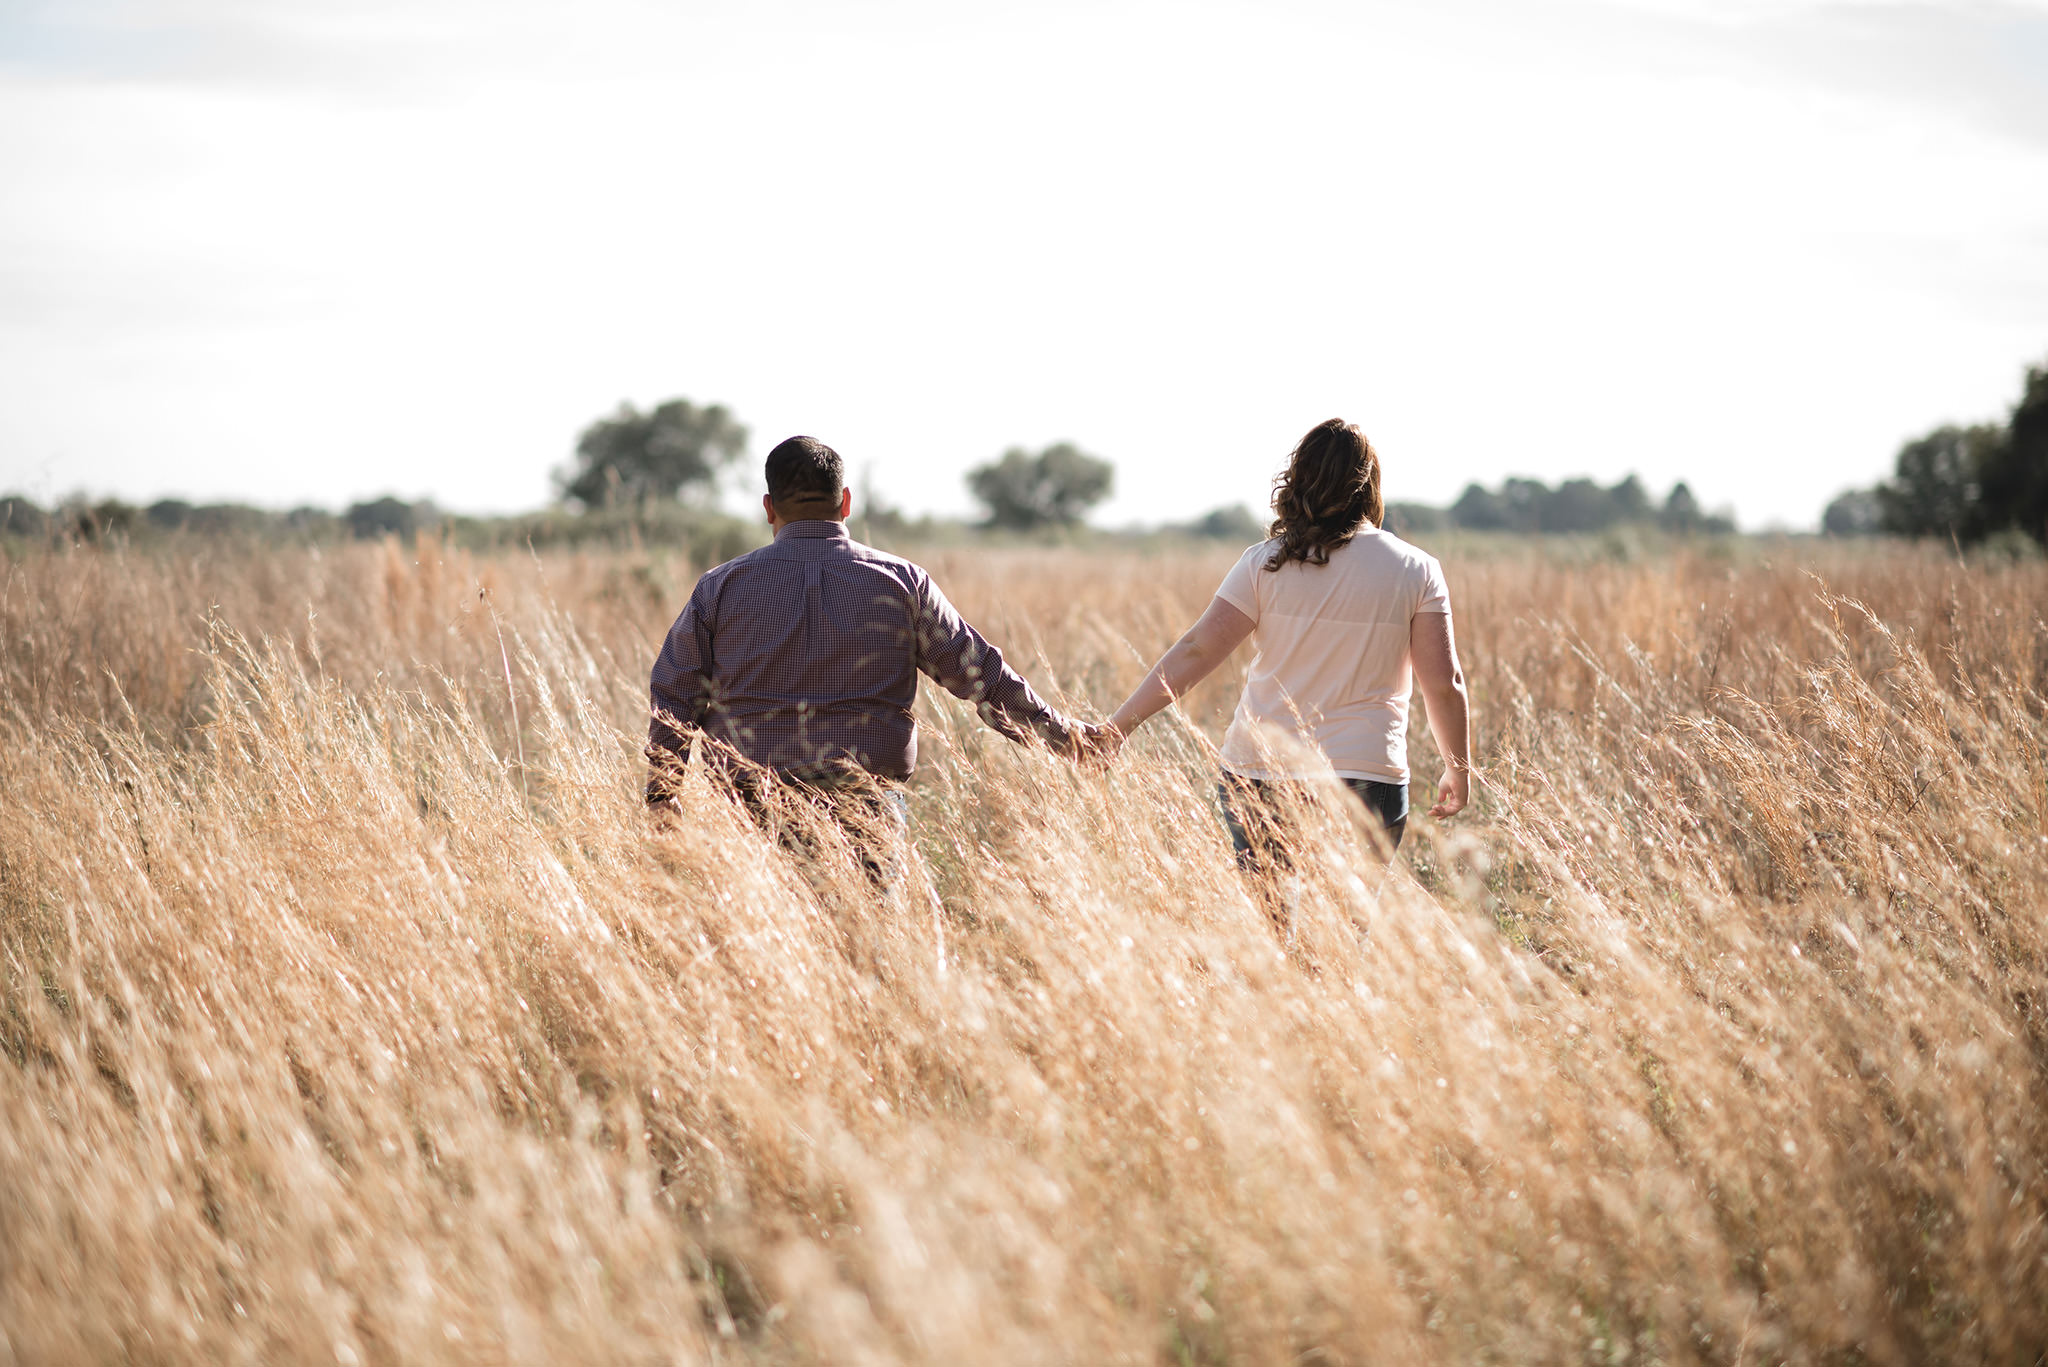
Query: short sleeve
x=1436, y=594
x=1240, y=587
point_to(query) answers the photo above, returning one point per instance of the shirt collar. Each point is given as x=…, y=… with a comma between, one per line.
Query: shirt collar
x=812, y=529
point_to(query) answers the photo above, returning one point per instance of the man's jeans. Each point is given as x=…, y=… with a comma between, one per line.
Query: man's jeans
x=873, y=814
x=1258, y=826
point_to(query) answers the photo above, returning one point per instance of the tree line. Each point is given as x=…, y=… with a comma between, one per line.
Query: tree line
x=637, y=467
x=631, y=467
x=86, y=519
x=676, y=449
x=1581, y=505
x=1964, y=485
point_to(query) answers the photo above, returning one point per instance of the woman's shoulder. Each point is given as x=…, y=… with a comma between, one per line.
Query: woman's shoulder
x=1256, y=555
x=1378, y=544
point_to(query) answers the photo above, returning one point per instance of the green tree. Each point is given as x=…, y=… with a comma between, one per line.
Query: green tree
x=1054, y=488
x=1854, y=512
x=1631, y=501
x=90, y=521
x=1681, y=510
x=1579, y=505
x=19, y=516
x=1936, y=486
x=168, y=514
x=1234, y=523
x=386, y=516
x=1522, y=501
x=1479, y=509
x=2013, y=474
x=635, y=457
x=1413, y=519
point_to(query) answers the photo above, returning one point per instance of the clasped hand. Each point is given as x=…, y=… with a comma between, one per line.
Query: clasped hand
x=1096, y=745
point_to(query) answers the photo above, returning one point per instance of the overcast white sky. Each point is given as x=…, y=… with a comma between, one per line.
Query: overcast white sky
x=289, y=251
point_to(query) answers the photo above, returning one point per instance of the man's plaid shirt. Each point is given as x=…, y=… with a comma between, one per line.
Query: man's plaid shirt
x=804, y=655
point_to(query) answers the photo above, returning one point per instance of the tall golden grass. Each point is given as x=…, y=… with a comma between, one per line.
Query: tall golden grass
x=347, y=1020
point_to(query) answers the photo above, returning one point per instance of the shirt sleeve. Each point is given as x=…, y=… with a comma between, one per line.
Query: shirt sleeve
x=961, y=661
x=1240, y=588
x=679, y=689
x=1436, y=594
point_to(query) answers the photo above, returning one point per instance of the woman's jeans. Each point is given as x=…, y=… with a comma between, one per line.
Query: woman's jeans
x=1257, y=834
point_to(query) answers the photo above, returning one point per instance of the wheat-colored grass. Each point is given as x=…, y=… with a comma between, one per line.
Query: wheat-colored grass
x=345, y=1021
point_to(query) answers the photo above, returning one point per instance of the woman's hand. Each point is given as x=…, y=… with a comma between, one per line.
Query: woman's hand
x=1096, y=745
x=1104, y=742
x=1452, y=793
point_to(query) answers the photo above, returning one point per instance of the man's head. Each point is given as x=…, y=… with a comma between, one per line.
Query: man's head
x=806, y=479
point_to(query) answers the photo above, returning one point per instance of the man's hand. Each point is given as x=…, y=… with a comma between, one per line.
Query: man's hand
x=1096, y=744
x=664, y=817
x=1452, y=794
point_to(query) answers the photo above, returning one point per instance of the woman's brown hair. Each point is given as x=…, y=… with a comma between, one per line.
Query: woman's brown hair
x=1330, y=488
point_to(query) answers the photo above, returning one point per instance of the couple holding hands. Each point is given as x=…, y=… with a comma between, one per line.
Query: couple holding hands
x=796, y=664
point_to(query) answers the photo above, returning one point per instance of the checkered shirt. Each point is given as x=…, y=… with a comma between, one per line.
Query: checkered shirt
x=804, y=655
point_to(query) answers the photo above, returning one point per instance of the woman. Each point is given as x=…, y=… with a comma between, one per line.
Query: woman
x=1342, y=615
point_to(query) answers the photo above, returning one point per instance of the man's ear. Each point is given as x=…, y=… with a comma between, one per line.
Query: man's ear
x=768, y=507
x=845, y=504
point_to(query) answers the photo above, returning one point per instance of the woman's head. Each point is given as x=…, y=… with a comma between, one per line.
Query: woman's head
x=1330, y=488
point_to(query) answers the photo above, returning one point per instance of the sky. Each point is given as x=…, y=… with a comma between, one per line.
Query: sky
x=307, y=251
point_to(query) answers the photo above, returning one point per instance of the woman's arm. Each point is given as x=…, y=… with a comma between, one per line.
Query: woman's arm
x=1435, y=654
x=1192, y=658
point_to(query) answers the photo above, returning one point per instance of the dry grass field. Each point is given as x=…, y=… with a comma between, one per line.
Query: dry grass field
x=348, y=1017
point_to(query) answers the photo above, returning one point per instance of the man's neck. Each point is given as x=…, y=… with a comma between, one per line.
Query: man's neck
x=812, y=526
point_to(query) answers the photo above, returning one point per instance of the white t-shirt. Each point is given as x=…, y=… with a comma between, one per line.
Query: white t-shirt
x=1332, y=665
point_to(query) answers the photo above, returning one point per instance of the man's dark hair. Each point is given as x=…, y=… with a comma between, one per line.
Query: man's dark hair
x=804, y=472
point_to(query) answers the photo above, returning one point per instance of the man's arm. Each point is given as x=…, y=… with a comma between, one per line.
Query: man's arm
x=679, y=689
x=1435, y=653
x=961, y=661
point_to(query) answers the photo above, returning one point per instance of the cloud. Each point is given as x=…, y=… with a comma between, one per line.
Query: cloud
x=1986, y=62
x=1983, y=61
x=365, y=49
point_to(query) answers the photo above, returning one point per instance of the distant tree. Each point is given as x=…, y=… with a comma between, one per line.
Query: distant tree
x=1054, y=488
x=1631, y=501
x=635, y=457
x=381, y=517
x=1411, y=519
x=1234, y=523
x=1522, y=503
x=21, y=517
x=2013, y=474
x=90, y=521
x=1854, y=512
x=309, y=521
x=1936, y=485
x=1578, y=505
x=168, y=514
x=229, y=519
x=1681, y=510
x=1479, y=509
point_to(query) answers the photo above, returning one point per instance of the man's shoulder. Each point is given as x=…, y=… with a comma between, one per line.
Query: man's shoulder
x=845, y=552
x=726, y=569
x=896, y=566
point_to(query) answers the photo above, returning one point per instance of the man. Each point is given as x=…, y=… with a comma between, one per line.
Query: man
x=802, y=657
